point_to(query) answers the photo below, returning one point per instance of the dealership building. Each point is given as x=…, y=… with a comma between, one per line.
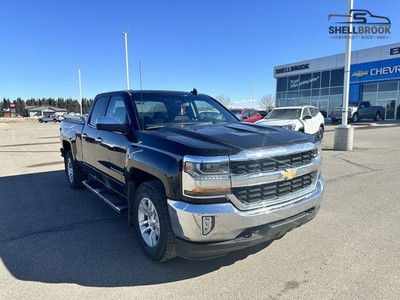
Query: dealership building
x=374, y=77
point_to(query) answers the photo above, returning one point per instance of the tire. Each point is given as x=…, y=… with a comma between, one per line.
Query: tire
x=320, y=133
x=377, y=117
x=40, y=121
x=45, y=121
x=355, y=118
x=55, y=121
x=78, y=175
x=150, y=203
x=334, y=120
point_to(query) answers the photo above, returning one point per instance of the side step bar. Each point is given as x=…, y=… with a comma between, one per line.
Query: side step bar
x=110, y=197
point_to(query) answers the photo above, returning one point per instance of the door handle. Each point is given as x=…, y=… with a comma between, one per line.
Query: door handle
x=98, y=140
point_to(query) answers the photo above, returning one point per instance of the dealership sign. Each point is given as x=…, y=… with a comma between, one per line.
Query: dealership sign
x=377, y=70
x=292, y=68
x=12, y=105
x=363, y=25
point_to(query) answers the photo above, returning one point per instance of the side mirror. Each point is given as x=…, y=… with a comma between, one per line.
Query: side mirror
x=307, y=117
x=111, y=124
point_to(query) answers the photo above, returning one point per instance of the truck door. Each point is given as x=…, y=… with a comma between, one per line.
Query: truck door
x=89, y=133
x=111, y=150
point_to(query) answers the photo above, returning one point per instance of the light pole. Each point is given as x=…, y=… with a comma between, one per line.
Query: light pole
x=80, y=88
x=125, y=33
x=344, y=133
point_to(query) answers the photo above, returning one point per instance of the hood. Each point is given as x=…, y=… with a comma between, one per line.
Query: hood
x=222, y=139
x=277, y=122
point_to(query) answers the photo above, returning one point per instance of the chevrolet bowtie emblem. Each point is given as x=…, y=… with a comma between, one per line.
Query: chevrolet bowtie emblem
x=360, y=73
x=289, y=174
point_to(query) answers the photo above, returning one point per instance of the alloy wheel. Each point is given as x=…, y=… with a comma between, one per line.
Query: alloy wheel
x=149, y=223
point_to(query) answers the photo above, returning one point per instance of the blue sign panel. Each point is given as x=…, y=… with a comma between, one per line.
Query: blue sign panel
x=388, y=69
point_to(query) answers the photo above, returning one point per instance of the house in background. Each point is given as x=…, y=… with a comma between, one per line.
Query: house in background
x=43, y=111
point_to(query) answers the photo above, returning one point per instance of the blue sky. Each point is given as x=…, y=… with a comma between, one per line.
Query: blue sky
x=219, y=47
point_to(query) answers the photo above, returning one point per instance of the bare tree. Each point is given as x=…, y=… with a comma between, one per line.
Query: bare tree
x=224, y=100
x=267, y=102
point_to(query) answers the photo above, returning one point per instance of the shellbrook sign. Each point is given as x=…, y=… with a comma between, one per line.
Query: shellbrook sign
x=364, y=25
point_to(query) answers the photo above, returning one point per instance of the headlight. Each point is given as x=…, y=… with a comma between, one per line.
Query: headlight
x=290, y=126
x=317, y=151
x=205, y=176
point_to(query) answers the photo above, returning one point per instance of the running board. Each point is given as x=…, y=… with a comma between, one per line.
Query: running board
x=117, y=202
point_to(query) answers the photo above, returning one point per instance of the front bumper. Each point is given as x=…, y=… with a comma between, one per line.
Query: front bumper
x=235, y=229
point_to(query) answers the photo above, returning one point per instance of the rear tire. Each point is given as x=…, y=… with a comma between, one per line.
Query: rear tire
x=377, y=117
x=75, y=175
x=55, y=121
x=334, y=120
x=152, y=223
x=40, y=121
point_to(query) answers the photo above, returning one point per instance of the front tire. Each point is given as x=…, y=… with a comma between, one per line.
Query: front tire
x=75, y=175
x=355, y=118
x=55, y=121
x=377, y=117
x=320, y=133
x=152, y=223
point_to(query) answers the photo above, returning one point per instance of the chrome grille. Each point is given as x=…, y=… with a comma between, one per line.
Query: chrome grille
x=274, y=190
x=271, y=164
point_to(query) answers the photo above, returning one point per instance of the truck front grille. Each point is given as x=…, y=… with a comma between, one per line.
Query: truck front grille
x=274, y=190
x=271, y=164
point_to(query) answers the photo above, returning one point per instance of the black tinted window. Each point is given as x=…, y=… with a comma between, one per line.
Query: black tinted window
x=325, y=79
x=337, y=77
x=116, y=109
x=99, y=110
x=282, y=84
x=316, y=82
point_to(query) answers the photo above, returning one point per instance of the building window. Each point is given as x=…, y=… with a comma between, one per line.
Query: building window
x=281, y=85
x=325, y=92
x=336, y=90
x=293, y=83
x=388, y=86
x=325, y=79
x=316, y=80
x=337, y=77
x=315, y=92
x=367, y=88
x=305, y=81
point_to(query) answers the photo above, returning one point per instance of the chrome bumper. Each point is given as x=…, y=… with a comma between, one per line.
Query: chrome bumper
x=186, y=218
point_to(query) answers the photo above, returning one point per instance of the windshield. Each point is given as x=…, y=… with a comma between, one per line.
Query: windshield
x=284, y=114
x=158, y=110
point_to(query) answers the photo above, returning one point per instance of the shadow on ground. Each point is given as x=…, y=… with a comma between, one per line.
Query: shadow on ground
x=50, y=233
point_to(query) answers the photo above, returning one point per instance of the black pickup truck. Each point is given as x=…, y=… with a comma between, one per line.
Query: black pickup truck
x=195, y=181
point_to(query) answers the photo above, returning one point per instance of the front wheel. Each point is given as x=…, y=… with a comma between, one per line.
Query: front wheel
x=55, y=121
x=152, y=223
x=355, y=118
x=75, y=175
x=320, y=133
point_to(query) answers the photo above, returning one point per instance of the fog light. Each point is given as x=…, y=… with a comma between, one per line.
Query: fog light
x=208, y=224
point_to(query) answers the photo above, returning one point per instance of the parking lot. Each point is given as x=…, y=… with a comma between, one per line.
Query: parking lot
x=56, y=242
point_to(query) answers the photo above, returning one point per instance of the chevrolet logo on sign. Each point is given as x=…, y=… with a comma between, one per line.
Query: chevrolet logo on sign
x=360, y=73
x=289, y=174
